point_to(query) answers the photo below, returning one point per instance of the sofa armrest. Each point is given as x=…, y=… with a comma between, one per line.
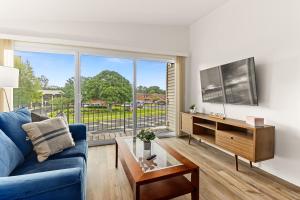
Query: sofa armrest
x=78, y=131
x=58, y=184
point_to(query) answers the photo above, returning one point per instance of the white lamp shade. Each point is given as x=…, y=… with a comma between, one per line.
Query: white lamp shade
x=9, y=77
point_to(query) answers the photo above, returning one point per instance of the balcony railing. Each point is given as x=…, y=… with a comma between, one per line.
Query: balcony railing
x=100, y=118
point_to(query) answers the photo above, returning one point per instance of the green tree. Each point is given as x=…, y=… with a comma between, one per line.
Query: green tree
x=141, y=89
x=60, y=102
x=84, y=88
x=155, y=90
x=68, y=90
x=150, y=90
x=44, y=81
x=109, y=86
x=29, y=90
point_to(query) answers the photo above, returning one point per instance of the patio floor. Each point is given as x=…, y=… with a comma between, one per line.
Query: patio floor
x=108, y=137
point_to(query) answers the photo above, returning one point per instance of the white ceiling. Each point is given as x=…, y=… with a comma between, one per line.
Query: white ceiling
x=159, y=12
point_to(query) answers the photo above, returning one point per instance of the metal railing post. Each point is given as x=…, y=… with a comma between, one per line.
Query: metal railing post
x=68, y=113
x=124, y=120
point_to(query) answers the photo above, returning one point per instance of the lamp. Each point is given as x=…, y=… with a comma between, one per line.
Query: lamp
x=9, y=78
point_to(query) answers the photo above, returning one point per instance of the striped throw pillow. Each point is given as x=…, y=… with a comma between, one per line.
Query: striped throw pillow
x=49, y=137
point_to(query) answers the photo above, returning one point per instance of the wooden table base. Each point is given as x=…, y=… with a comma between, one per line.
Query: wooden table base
x=165, y=183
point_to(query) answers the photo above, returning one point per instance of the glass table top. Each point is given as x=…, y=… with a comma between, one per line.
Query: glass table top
x=162, y=160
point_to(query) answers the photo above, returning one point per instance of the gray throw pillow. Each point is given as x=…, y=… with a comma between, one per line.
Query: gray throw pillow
x=49, y=137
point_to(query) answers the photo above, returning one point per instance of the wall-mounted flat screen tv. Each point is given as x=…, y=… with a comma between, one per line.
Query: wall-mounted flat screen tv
x=232, y=83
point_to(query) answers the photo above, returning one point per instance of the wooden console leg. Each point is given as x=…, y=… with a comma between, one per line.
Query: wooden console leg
x=236, y=163
x=190, y=136
x=251, y=164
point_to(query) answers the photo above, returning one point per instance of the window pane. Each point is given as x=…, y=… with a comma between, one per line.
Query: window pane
x=46, y=83
x=151, y=94
x=106, y=88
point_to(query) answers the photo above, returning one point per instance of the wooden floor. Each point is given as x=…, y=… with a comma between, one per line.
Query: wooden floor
x=218, y=178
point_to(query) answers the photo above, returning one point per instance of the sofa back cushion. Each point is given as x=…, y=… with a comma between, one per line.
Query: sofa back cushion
x=10, y=157
x=37, y=118
x=11, y=124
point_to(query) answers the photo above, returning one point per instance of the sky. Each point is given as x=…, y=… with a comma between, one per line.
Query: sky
x=60, y=67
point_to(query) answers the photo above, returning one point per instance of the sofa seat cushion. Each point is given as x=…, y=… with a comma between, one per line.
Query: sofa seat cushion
x=79, y=150
x=10, y=157
x=33, y=166
x=11, y=124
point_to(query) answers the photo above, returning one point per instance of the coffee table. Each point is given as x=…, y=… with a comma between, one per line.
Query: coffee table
x=160, y=178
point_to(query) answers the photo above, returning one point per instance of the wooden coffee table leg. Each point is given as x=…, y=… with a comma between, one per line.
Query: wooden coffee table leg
x=195, y=182
x=116, y=164
x=236, y=163
x=136, y=192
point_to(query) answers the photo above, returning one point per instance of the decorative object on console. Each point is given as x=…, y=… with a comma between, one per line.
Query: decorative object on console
x=255, y=121
x=217, y=115
x=193, y=109
x=146, y=135
x=9, y=78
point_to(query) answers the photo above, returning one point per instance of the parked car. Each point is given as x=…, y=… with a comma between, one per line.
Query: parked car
x=160, y=102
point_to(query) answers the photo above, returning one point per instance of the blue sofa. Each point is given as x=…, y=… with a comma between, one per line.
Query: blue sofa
x=62, y=176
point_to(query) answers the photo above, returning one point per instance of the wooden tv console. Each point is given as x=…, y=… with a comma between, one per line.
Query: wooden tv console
x=252, y=143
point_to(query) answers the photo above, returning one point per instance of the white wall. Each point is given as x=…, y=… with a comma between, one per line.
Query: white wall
x=270, y=31
x=156, y=39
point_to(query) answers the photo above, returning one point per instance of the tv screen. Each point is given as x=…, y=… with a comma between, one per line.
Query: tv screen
x=232, y=83
x=211, y=85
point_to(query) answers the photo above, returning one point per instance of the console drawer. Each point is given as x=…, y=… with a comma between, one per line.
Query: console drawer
x=236, y=143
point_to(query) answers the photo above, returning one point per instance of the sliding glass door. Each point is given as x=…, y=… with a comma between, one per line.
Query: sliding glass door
x=121, y=96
